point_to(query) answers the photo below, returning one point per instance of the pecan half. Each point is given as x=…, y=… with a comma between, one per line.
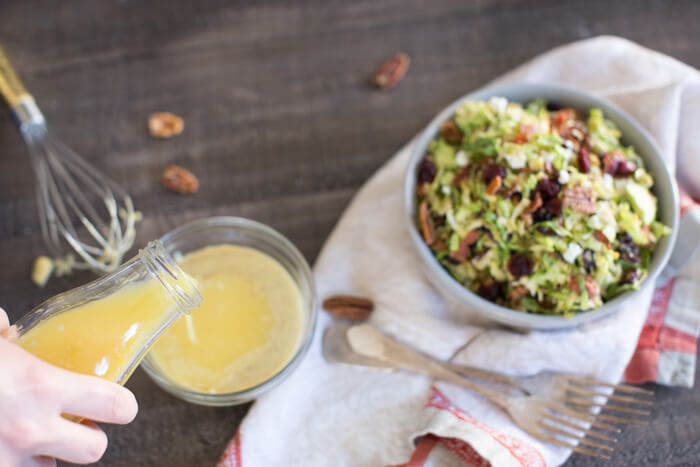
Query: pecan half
x=517, y=292
x=516, y=185
x=392, y=71
x=163, y=125
x=426, y=223
x=600, y=236
x=346, y=306
x=534, y=205
x=465, y=244
x=462, y=175
x=592, y=287
x=450, y=132
x=579, y=199
x=179, y=180
x=494, y=185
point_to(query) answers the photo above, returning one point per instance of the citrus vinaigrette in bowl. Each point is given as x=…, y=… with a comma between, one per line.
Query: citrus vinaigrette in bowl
x=247, y=329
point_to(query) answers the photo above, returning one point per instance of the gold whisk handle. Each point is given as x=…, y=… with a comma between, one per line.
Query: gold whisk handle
x=18, y=98
x=11, y=87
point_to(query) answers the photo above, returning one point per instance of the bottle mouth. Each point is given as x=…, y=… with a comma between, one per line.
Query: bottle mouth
x=181, y=287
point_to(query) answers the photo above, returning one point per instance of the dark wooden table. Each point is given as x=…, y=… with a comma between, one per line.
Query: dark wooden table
x=281, y=127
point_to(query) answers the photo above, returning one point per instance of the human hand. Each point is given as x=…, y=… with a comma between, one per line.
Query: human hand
x=34, y=394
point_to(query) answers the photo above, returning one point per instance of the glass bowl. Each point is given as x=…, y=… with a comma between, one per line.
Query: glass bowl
x=243, y=232
x=632, y=133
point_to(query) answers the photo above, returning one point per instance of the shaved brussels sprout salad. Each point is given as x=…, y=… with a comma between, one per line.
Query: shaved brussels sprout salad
x=537, y=208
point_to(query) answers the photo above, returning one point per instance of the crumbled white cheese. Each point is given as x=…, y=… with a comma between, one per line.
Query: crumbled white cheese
x=461, y=158
x=548, y=157
x=567, y=153
x=516, y=160
x=594, y=222
x=445, y=189
x=568, y=144
x=607, y=181
x=605, y=211
x=515, y=112
x=564, y=177
x=498, y=104
x=451, y=220
x=572, y=252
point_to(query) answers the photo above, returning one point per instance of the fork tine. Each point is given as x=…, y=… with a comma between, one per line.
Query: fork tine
x=583, y=417
x=589, y=432
x=581, y=450
x=617, y=387
x=616, y=408
x=615, y=397
x=580, y=439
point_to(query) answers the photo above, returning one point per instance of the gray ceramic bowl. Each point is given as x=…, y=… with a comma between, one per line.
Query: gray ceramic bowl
x=632, y=133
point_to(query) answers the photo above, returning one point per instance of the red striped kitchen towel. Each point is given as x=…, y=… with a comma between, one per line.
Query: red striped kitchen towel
x=667, y=345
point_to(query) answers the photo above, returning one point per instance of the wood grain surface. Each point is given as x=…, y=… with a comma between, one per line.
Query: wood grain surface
x=282, y=127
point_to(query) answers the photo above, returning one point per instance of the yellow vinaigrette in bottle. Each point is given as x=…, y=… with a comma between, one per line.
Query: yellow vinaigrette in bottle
x=106, y=327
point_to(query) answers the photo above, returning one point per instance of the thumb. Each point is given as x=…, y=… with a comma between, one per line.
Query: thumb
x=6, y=331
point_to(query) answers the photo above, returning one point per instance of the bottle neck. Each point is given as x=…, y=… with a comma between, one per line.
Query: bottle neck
x=180, y=286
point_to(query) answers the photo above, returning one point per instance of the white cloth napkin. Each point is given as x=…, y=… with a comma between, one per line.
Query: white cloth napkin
x=327, y=414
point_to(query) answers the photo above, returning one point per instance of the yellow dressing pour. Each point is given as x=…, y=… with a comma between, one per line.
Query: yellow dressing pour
x=247, y=328
x=103, y=337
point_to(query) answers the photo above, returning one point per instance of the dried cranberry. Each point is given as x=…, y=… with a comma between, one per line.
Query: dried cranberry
x=541, y=215
x=630, y=276
x=588, y=259
x=492, y=171
x=520, y=265
x=625, y=168
x=491, y=291
x=553, y=206
x=546, y=231
x=584, y=160
x=547, y=188
x=426, y=171
x=629, y=251
x=485, y=230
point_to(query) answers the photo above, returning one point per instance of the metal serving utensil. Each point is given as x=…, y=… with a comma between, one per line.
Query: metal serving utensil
x=549, y=395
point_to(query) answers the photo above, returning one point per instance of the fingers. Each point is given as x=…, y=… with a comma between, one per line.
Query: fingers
x=79, y=443
x=4, y=320
x=96, y=399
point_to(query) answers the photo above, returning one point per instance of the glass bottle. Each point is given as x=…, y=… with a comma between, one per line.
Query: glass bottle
x=104, y=328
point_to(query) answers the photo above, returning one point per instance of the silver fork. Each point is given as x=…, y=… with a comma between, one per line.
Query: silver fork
x=572, y=389
x=577, y=391
x=548, y=420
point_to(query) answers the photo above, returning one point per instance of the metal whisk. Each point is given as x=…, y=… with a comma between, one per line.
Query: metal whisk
x=80, y=209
